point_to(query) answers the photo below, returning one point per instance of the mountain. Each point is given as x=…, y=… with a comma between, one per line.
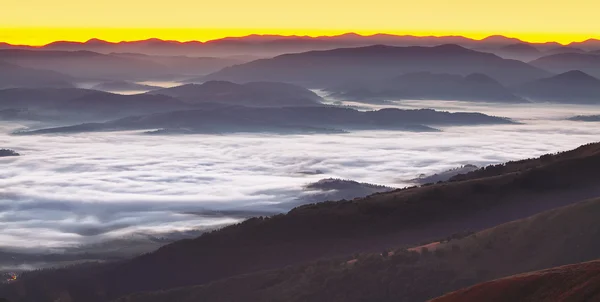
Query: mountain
x=85, y=64
x=576, y=282
x=569, y=87
x=123, y=86
x=518, y=51
x=322, y=69
x=590, y=44
x=73, y=104
x=185, y=65
x=13, y=76
x=563, y=49
x=588, y=63
x=426, y=85
x=228, y=119
x=39, y=98
x=341, y=230
x=254, y=94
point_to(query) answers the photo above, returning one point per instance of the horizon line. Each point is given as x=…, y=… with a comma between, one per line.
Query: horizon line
x=87, y=40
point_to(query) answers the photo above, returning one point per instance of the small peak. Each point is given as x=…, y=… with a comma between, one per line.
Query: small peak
x=95, y=41
x=575, y=75
x=480, y=78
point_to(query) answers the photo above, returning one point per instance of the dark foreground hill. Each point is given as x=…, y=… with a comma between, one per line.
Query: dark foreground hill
x=575, y=283
x=430, y=86
x=561, y=236
x=322, y=69
x=374, y=223
x=228, y=119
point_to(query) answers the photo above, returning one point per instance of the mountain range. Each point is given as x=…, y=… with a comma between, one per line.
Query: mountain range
x=271, y=45
x=85, y=65
x=322, y=69
x=235, y=119
x=87, y=104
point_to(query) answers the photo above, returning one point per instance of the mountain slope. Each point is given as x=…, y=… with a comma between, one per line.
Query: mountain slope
x=569, y=87
x=588, y=63
x=426, y=85
x=557, y=237
x=15, y=76
x=374, y=223
x=576, y=282
x=84, y=64
x=318, y=69
x=253, y=94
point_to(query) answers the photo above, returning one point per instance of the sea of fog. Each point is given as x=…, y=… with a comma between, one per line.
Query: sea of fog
x=72, y=189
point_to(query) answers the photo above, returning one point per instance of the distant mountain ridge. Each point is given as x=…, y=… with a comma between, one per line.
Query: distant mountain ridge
x=276, y=44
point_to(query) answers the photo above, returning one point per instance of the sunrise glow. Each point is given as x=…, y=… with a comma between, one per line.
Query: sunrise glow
x=184, y=20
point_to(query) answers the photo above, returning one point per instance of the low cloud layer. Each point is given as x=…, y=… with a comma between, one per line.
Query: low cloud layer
x=74, y=189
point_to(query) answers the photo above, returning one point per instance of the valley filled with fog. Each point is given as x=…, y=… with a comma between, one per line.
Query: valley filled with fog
x=70, y=190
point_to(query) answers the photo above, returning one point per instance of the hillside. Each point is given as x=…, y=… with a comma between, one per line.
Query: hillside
x=322, y=69
x=236, y=119
x=14, y=76
x=73, y=104
x=559, y=63
x=576, y=282
x=85, y=64
x=378, y=222
x=254, y=94
x=429, y=86
x=570, y=87
x=558, y=237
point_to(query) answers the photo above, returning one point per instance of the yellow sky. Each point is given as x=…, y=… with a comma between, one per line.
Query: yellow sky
x=42, y=21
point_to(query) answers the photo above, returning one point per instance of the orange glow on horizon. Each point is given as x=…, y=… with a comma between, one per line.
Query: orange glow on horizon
x=43, y=36
x=38, y=22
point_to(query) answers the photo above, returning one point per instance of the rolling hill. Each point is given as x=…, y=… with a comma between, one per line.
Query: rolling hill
x=576, y=282
x=85, y=65
x=285, y=120
x=15, y=76
x=426, y=85
x=372, y=224
x=560, y=63
x=569, y=87
x=253, y=94
x=322, y=69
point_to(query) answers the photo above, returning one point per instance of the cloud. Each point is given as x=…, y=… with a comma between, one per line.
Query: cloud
x=68, y=190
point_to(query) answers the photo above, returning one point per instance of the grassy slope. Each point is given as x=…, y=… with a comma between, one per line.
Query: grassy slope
x=557, y=237
x=574, y=283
